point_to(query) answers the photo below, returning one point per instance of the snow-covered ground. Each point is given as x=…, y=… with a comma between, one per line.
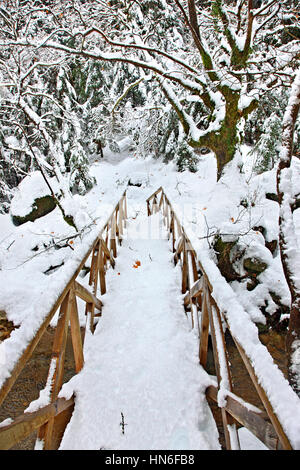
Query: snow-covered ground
x=142, y=361
x=27, y=294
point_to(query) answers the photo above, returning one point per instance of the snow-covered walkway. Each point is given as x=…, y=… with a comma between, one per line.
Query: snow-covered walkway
x=142, y=360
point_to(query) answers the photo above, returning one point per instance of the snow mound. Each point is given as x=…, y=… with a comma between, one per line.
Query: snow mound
x=31, y=187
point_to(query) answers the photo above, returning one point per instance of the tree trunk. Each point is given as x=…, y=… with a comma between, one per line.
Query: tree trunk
x=289, y=250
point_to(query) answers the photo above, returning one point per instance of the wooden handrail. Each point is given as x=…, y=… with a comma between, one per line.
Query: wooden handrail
x=52, y=419
x=27, y=423
x=198, y=290
x=102, y=250
x=256, y=421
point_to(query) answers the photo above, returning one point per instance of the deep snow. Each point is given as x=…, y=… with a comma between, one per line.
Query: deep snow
x=202, y=205
x=141, y=361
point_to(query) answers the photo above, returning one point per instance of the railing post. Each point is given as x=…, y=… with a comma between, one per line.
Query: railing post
x=113, y=233
x=56, y=370
x=222, y=370
x=101, y=268
x=76, y=334
x=203, y=344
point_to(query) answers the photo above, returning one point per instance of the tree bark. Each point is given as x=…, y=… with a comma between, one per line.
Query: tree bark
x=289, y=250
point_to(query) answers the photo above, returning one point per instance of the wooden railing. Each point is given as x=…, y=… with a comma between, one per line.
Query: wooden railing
x=51, y=420
x=197, y=288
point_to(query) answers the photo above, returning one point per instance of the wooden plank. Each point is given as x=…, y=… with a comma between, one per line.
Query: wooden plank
x=203, y=346
x=161, y=201
x=172, y=231
x=58, y=361
x=148, y=208
x=168, y=218
x=256, y=422
x=113, y=234
x=76, y=334
x=264, y=398
x=178, y=249
x=107, y=252
x=93, y=270
x=120, y=224
x=110, y=217
x=25, y=356
x=117, y=225
x=185, y=279
x=90, y=307
x=60, y=423
x=179, y=228
x=154, y=205
x=87, y=296
x=101, y=270
x=125, y=210
x=193, y=257
x=194, y=292
x=27, y=423
x=154, y=194
x=220, y=358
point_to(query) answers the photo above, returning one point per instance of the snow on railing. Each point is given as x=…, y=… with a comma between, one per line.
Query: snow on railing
x=207, y=291
x=50, y=416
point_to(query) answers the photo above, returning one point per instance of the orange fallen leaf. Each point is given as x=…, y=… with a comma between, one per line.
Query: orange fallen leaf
x=71, y=242
x=232, y=219
x=134, y=266
x=138, y=263
x=204, y=208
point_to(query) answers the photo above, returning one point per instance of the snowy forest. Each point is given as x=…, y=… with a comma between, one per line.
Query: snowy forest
x=199, y=97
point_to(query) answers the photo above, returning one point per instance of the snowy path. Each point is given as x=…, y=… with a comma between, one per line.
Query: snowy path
x=141, y=361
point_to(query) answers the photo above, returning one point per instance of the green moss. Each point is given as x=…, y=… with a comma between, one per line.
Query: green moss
x=262, y=328
x=254, y=265
x=223, y=252
x=40, y=207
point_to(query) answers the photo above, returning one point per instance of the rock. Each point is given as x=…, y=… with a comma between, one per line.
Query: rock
x=252, y=284
x=40, y=207
x=260, y=229
x=254, y=266
x=2, y=315
x=33, y=198
x=223, y=251
x=6, y=326
x=272, y=246
x=138, y=179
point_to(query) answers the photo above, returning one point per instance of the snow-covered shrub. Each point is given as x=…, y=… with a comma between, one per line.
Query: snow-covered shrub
x=267, y=147
x=186, y=159
x=80, y=180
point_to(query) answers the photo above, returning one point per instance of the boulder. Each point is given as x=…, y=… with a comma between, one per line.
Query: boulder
x=40, y=207
x=32, y=199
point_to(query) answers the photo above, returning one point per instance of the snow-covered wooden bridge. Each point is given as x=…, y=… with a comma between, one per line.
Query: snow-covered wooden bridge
x=141, y=381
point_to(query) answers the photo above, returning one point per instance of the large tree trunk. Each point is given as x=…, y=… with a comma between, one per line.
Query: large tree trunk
x=289, y=249
x=226, y=141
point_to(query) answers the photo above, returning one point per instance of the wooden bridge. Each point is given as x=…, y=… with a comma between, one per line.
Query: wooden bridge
x=202, y=309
